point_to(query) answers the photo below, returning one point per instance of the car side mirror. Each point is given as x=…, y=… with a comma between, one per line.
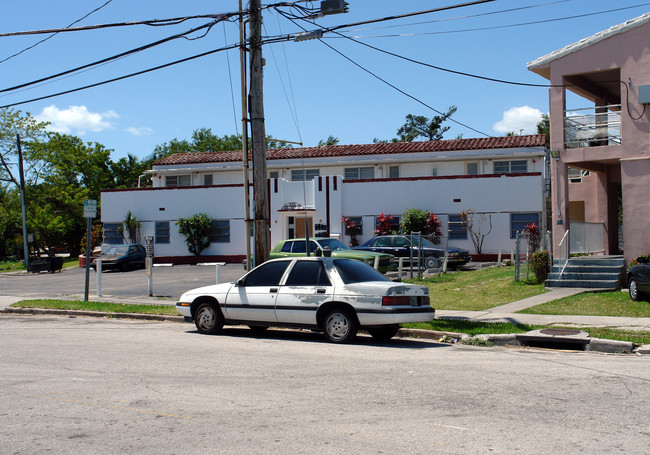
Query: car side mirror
x=318, y=252
x=240, y=283
x=327, y=252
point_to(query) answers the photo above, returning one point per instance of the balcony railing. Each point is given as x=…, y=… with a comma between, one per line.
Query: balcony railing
x=588, y=128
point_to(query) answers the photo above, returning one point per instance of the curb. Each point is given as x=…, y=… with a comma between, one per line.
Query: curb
x=96, y=314
x=595, y=345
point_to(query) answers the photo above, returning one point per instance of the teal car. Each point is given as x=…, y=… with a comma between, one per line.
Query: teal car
x=322, y=246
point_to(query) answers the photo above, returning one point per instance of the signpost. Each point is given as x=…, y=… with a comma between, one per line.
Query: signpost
x=148, y=262
x=90, y=212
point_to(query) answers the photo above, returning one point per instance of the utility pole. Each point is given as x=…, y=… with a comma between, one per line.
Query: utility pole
x=258, y=135
x=22, y=201
x=244, y=133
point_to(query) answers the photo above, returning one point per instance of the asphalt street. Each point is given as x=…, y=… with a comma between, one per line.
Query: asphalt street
x=88, y=385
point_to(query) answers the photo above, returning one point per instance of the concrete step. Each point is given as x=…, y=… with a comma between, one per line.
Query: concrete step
x=586, y=269
x=609, y=262
x=583, y=276
x=604, y=284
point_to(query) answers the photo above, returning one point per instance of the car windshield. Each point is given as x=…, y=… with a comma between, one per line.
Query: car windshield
x=332, y=244
x=353, y=271
x=121, y=249
x=425, y=242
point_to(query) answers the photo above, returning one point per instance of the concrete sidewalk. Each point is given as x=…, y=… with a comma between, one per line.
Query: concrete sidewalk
x=508, y=313
x=503, y=313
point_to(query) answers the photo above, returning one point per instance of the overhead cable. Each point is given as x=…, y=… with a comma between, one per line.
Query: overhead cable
x=53, y=34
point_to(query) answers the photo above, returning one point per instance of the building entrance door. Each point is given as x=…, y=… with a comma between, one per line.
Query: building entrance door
x=300, y=227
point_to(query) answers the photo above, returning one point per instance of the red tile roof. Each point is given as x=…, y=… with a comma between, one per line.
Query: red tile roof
x=537, y=140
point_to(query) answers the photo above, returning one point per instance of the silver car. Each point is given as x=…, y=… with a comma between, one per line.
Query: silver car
x=335, y=296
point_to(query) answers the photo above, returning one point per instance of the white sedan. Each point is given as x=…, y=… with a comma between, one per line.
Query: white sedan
x=336, y=296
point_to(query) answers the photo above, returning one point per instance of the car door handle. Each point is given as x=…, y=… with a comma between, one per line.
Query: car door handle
x=273, y=290
x=320, y=291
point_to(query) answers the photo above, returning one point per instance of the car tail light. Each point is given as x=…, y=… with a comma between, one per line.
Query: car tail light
x=395, y=300
x=401, y=300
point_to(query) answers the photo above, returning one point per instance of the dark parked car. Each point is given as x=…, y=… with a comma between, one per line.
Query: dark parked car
x=638, y=280
x=122, y=257
x=400, y=246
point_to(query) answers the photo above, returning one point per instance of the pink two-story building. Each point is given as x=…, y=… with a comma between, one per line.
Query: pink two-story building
x=600, y=139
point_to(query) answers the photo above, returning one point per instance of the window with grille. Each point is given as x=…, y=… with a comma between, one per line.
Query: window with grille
x=219, y=231
x=162, y=232
x=112, y=233
x=298, y=175
x=359, y=173
x=178, y=180
x=456, y=229
x=510, y=167
x=519, y=221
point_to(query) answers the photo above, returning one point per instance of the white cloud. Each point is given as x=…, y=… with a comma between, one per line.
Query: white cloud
x=517, y=119
x=140, y=131
x=76, y=119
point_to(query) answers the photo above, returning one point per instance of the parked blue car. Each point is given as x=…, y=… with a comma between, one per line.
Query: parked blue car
x=122, y=257
x=400, y=246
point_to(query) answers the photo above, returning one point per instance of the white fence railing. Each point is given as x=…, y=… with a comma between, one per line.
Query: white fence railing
x=589, y=128
x=586, y=237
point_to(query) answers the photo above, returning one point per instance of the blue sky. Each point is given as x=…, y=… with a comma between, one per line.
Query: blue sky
x=306, y=81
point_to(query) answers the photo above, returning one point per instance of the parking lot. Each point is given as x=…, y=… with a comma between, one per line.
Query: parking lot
x=168, y=282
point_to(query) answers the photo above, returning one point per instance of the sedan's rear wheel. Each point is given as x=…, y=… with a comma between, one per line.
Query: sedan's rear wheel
x=634, y=290
x=431, y=263
x=383, y=333
x=208, y=319
x=340, y=326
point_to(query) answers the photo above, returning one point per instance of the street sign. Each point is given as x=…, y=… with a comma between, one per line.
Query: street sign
x=148, y=245
x=90, y=208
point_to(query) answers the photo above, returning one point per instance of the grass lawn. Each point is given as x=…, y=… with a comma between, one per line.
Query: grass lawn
x=444, y=325
x=614, y=303
x=17, y=266
x=477, y=290
x=98, y=306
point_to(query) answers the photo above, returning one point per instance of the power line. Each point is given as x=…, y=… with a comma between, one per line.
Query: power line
x=111, y=58
x=495, y=27
x=152, y=22
x=138, y=73
x=53, y=34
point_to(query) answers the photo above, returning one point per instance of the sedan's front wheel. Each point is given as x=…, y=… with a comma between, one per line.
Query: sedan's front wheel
x=208, y=319
x=340, y=326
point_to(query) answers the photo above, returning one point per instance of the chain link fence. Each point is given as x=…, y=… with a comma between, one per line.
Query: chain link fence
x=525, y=246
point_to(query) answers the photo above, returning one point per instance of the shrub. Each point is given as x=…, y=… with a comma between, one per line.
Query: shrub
x=635, y=261
x=539, y=264
x=417, y=220
x=196, y=230
x=383, y=225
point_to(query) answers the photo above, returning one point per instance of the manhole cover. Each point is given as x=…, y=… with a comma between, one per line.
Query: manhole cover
x=560, y=332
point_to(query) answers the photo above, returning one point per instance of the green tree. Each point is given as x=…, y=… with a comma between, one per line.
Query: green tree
x=196, y=230
x=69, y=172
x=418, y=220
x=544, y=127
x=126, y=170
x=419, y=126
x=331, y=140
x=14, y=123
x=131, y=225
x=203, y=140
